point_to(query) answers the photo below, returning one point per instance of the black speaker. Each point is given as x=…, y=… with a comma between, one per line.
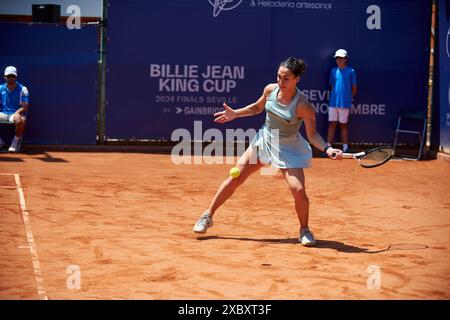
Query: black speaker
x=46, y=13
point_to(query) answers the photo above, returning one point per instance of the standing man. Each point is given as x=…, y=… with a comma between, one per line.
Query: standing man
x=343, y=89
x=14, y=99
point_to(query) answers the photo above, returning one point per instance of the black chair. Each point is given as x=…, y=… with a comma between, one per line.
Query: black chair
x=2, y=122
x=415, y=123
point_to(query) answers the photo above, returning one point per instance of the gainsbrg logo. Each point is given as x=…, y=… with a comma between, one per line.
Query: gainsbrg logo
x=220, y=5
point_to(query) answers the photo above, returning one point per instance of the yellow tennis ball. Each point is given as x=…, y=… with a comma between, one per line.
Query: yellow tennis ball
x=235, y=172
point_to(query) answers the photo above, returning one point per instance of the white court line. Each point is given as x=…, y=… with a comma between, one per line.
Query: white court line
x=30, y=238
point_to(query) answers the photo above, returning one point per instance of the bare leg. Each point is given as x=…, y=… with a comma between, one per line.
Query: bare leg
x=344, y=132
x=20, y=128
x=331, y=130
x=295, y=179
x=228, y=187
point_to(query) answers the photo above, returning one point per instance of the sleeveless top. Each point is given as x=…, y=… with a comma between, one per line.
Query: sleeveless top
x=279, y=141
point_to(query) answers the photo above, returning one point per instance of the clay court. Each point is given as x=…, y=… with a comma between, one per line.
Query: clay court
x=125, y=221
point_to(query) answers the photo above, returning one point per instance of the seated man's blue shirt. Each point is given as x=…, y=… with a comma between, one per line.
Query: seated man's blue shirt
x=342, y=81
x=10, y=101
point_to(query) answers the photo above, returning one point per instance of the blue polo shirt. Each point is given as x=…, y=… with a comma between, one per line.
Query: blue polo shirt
x=10, y=101
x=342, y=81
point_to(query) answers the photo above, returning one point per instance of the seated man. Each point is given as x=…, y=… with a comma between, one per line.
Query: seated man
x=14, y=101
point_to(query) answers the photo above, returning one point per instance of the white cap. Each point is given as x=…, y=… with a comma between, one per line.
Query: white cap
x=10, y=70
x=341, y=53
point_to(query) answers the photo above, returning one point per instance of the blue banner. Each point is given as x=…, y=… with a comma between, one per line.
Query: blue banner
x=171, y=62
x=59, y=68
x=444, y=73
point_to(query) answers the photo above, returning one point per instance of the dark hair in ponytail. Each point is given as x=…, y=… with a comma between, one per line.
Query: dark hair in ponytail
x=296, y=66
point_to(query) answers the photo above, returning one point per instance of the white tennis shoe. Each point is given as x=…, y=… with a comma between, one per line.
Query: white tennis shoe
x=203, y=223
x=307, y=238
x=14, y=145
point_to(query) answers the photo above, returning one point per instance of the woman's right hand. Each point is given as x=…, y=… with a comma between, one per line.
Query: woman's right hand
x=334, y=154
x=225, y=116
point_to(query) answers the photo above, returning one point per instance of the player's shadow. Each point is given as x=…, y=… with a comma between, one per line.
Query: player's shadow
x=9, y=159
x=46, y=156
x=288, y=240
x=342, y=247
x=320, y=244
x=16, y=157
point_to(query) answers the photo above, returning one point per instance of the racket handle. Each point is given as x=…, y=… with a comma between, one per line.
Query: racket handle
x=344, y=155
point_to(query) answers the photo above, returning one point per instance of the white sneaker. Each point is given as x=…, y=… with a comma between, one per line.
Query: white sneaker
x=307, y=238
x=203, y=223
x=14, y=145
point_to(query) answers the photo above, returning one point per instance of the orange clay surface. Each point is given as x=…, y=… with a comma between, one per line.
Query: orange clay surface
x=125, y=220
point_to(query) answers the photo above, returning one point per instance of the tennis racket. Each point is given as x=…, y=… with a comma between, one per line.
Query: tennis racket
x=371, y=158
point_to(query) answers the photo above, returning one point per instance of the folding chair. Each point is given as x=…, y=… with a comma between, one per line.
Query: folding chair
x=411, y=123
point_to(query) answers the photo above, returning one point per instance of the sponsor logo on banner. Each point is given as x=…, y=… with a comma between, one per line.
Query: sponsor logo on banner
x=195, y=89
x=320, y=98
x=219, y=5
x=225, y=5
x=291, y=4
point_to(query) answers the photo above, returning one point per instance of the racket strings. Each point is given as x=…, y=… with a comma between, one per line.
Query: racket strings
x=377, y=157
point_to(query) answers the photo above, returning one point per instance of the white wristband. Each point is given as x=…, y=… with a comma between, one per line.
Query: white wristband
x=11, y=119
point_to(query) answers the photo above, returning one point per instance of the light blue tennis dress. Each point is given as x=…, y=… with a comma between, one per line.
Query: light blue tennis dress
x=291, y=150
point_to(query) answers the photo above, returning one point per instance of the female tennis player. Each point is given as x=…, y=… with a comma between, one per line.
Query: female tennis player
x=278, y=143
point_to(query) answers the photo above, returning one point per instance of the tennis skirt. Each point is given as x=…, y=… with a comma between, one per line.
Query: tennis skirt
x=282, y=151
